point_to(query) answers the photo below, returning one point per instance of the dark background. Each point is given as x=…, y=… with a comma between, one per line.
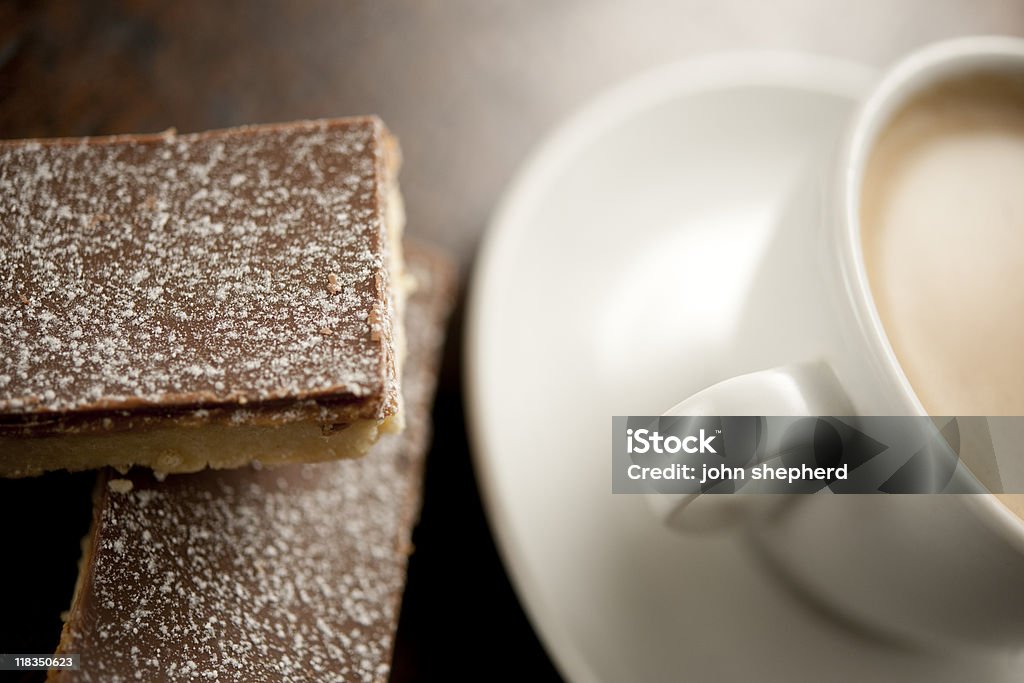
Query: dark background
x=468, y=86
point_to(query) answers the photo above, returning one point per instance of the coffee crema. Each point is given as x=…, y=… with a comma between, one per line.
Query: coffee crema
x=1014, y=501
x=942, y=231
x=942, y=228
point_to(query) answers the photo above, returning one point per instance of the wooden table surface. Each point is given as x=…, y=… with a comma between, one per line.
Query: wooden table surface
x=469, y=86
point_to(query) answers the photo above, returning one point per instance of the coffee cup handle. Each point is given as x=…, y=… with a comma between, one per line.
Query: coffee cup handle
x=792, y=390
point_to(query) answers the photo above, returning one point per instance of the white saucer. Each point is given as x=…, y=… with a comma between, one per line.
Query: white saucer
x=619, y=276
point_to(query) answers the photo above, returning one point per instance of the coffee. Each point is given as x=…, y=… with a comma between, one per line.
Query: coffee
x=1014, y=501
x=942, y=225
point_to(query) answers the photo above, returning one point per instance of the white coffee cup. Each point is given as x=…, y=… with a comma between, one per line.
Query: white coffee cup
x=945, y=570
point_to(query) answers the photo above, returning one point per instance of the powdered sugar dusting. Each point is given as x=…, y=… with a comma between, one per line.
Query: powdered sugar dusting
x=262, y=574
x=185, y=269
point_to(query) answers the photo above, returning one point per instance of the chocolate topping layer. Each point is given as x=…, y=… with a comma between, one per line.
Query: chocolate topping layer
x=286, y=574
x=235, y=267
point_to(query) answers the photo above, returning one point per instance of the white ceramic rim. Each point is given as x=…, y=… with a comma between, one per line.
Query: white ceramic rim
x=787, y=70
x=920, y=69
